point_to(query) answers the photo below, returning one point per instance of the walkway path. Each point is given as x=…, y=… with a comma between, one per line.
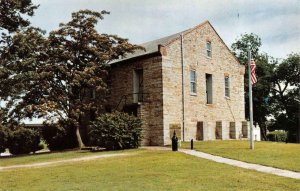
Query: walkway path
x=257, y=167
x=45, y=164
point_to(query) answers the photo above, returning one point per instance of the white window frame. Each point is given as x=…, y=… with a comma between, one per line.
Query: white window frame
x=193, y=82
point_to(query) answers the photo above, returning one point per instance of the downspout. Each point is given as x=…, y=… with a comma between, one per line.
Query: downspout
x=182, y=85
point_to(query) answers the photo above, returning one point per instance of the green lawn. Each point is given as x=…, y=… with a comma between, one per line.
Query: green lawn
x=46, y=157
x=144, y=170
x=280, y=155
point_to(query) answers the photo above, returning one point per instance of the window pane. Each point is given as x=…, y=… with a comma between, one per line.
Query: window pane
x=193, y=75
x=193, y=81
x=208, y=53
x=208, y=45
x=209, y=90
x=208, y=49
x=227, y=87
x=193, y=87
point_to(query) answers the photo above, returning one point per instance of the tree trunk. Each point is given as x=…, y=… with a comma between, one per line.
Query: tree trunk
x=298, y=134
x=79, y=140
x=264, y=133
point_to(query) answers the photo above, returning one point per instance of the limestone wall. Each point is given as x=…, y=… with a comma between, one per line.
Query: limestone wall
x=150, y=110
x=220, y=64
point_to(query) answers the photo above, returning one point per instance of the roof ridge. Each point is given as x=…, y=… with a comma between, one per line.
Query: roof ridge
x=153, y=45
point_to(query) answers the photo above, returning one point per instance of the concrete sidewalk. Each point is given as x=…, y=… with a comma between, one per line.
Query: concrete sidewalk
x=257, y=167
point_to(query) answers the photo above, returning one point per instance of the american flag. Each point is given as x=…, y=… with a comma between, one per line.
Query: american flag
x=253, y=74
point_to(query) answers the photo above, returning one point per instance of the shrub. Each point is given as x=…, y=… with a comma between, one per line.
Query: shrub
x=278, y=136
x=60, y=136
x=4, y=134
x=116, y=131
x=23, y=141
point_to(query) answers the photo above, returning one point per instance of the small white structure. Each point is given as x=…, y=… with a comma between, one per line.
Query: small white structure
x=256, y=132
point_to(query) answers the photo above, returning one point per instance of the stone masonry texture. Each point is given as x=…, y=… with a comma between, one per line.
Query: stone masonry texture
x=162, y=77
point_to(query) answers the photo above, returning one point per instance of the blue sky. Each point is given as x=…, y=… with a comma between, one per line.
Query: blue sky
x=277, y=22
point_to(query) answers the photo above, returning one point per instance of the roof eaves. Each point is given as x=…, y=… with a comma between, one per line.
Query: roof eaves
x=134, y=57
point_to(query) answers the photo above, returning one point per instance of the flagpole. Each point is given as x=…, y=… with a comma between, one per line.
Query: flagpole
x=250, y=100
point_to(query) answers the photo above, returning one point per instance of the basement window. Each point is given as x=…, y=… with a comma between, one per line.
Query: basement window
x=209, y=95
x=193, y=78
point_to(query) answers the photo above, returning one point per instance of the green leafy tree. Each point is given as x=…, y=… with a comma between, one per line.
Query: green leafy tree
x=261, y=90
x=286, y=96
x=79, y=58
x=12, y=19
x=22, y=77
x=241, y=45
x=62, y=77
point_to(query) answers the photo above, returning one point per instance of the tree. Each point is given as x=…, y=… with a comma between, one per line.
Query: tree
x=21, y=82
x=261, y=90
x=12, y=14
x=79, y=62
x=12, y=19
x=62, y=77
x=241, y=45
x=286, y=96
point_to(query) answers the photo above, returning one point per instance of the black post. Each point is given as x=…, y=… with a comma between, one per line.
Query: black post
x=192, y=144
x=174, y=142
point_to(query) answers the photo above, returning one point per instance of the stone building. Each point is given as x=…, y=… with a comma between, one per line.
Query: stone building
x=188, y=82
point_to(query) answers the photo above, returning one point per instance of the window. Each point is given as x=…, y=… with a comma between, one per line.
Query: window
x=227, y=86
x=138, y=86
x=208, y=49
x=193, y=82
x=209, y=96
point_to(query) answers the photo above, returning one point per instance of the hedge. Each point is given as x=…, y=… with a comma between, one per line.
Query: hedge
x=277, y=136
x=59, y=136
x=115, y=131
x=23, y=141
x=4, y=134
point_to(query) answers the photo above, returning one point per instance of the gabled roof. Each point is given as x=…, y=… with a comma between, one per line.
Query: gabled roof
x=153, y=46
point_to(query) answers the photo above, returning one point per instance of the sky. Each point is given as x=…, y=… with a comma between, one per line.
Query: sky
x=276, y=22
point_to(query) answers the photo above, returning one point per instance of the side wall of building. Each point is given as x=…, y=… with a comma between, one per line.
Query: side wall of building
x=150, y=109
x=223, y=110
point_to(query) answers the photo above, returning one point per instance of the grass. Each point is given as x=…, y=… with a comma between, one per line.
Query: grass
x=146, y=170
x=46, y=157
x=280, y=155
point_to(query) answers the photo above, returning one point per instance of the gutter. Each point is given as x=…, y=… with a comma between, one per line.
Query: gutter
x=182, y=85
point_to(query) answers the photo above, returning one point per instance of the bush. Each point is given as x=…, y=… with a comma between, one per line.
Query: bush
x=4, y=134
x=60, y=136
x=23, y=141
x=278, y=136
x=116, y=131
